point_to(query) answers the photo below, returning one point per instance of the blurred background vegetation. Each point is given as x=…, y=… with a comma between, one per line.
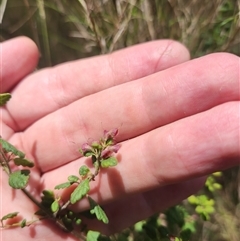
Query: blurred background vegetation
x=65, y=30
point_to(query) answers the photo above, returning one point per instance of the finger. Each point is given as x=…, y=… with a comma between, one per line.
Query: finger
x=63, y=84
x=189, y=148
x=127, y=211
x=19, y=57
x=136, y=107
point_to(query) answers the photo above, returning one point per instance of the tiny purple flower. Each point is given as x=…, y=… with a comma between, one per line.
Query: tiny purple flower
x=110, y=150
x=111, y=134
x=86, y=147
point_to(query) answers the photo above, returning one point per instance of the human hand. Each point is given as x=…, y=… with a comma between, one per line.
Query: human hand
x=178, y=121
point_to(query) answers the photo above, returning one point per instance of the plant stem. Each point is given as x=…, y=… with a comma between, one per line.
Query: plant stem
x=4, y=163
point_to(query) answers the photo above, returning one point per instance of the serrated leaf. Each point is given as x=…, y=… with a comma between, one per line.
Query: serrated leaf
x=100, y=214
x=9, y=215
x=63, y=185
x=81, y=190
x=55, y=206
x=73, y=178
x=98, y=211
x=109, y=162
x=23, y=162
x=83, y=170
x=6, y=146
x=19, y=179
x=92, y=235
x=4, y=98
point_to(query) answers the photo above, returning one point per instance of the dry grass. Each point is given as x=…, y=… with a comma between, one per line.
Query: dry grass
x=71, y=29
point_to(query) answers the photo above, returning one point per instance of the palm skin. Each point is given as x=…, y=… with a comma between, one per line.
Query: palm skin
x=178, y=121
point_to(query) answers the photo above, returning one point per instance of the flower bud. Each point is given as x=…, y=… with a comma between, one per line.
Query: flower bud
x=86, y=147
x=110, y=134
x=110, y=150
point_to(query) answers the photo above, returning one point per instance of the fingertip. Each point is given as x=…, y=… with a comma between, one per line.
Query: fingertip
x=19, y=57
x=171, y=53
x=145, y=59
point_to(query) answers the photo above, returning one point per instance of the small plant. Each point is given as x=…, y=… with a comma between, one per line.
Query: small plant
x=52, y=206
x=176, y=224
x=205, y=206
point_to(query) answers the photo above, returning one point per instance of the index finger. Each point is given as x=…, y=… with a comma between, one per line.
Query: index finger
x=51, y=89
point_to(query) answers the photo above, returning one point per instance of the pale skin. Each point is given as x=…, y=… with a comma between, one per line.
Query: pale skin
x=178, y=121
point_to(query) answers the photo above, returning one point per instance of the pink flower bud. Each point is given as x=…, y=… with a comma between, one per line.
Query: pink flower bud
x=110, y=134
x=115, y=148
x=110, y=150
x=86, y=147
x=106, y=153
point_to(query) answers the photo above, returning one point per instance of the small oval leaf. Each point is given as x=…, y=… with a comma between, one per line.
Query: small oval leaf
x=88, y=153
x=55, y=206
x=23, y=223
x=19, y=179
x=109, y=162
x=73, y=178
x=83, y=170
x=23, y=162
x=78, y=221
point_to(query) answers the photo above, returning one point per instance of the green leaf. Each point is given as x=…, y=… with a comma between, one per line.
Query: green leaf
x=6, y=146
x=19, y=179
x=78, y=221
x=41, y=213
x=48, y=194
x=23, y=162
x=23, y=223
x=92, y=235
x=193, y=199
x=68, y=223
x=63, y=185
x=98, y=211
x=55, y=206
x=83, y=170
x=4, y=98
x=87, y=153
x=96, y=145
x=81, y=190
x=9, y=215
x=73, y=178
x=109, y=162
x=47, y=199
x=100, y=214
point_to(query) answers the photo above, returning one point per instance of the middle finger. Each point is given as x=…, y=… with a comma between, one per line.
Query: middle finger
x=136, y=107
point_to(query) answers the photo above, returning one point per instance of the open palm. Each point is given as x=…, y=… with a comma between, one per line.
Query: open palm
x=178, y=121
